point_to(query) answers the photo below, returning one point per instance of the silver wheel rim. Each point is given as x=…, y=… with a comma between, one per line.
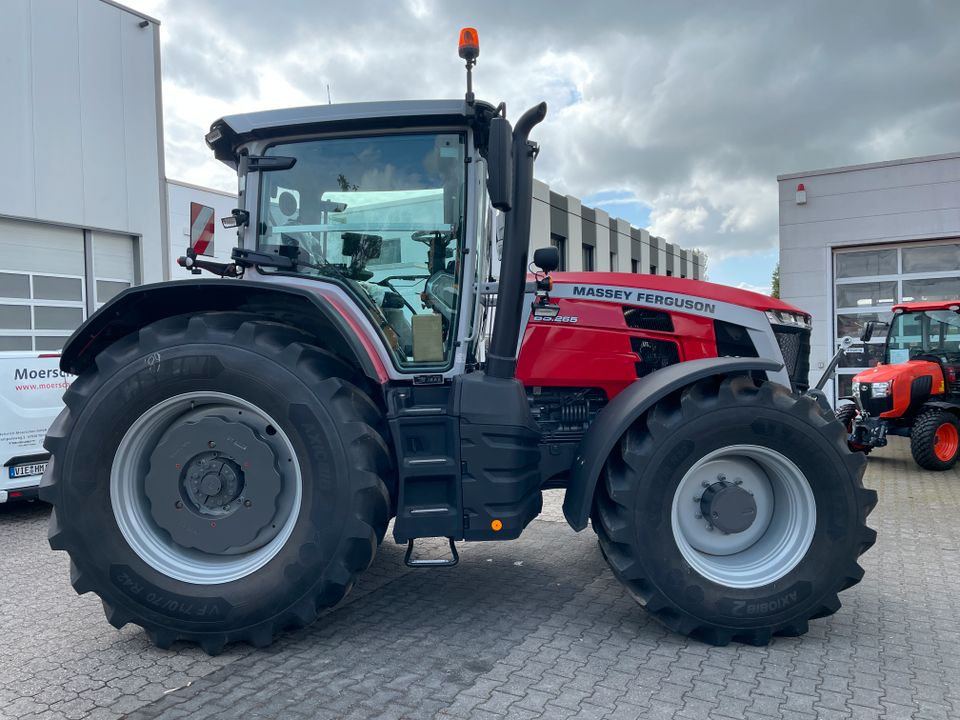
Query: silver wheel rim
x=132, y=507
x=778, y=538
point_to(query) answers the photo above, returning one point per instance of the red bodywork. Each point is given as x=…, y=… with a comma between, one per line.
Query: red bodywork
x=596, y=351
x=904, y=374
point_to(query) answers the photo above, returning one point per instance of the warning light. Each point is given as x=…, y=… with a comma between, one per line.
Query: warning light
x=497, y=525
x=469, y=44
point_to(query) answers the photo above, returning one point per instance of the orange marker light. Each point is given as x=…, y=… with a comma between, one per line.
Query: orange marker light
x=469, y=44
x=497, y=525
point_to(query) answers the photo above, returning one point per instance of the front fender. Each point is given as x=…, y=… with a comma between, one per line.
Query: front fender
x=139, y=306
x=604, y=433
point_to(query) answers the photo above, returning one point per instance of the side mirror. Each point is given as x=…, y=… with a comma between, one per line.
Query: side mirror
x=867, y=331
x=500, y=164
x=547, y=258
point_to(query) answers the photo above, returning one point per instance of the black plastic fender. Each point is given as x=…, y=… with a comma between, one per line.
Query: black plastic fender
x=604, y=433
x=139, y=306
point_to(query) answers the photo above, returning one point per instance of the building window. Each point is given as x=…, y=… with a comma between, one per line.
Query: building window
x=588, y=258
x=669, y=273
x=39, y=311
x=613, y=262
x=653, y=269
x=560, y=243
x=634, y=267
x=868, y=282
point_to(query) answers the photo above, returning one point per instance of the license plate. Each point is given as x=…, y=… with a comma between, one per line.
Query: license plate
x=19, y=471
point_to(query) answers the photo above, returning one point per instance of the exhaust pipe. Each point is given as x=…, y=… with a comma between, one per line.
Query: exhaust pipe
x=502, y=354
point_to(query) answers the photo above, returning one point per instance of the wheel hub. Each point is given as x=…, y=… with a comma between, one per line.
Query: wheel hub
x=728, y=507
x=213, y=485
x=743, y=516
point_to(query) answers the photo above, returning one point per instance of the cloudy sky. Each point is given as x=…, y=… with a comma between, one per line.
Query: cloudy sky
x=677, y=116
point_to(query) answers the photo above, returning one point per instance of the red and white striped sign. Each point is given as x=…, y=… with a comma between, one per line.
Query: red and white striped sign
x=201, y=228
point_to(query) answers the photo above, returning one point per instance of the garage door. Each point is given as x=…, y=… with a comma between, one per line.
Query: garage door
x=42, y=287
x=114, y=269
x=869, y=281
x=46, y=286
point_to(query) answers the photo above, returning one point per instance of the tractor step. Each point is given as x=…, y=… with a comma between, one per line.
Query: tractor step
x=431, y=563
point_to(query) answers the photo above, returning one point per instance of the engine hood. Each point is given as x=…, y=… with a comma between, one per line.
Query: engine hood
x=697, y=288
x=910, y=369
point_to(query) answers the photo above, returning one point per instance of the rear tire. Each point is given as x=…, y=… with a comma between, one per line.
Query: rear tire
x=295, y=516
x=846, y=414
x=809, y=511
x=934, y=439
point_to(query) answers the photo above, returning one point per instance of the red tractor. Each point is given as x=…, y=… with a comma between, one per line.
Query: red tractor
x=915, y=392
x=233, y=449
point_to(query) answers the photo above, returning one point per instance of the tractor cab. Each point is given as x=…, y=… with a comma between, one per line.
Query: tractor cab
x=386, y=217
x=927, y=333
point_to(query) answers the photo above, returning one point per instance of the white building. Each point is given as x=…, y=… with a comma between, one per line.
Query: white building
x=856, y=240
x=179, y=197
x=589, y=239
x=81, y=191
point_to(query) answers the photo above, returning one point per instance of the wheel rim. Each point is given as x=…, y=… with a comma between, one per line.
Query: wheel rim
x=766, y=523
x=945, y=442
x=205, y=511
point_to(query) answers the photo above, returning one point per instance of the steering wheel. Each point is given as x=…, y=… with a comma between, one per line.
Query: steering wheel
x=441, y=294
x=426, y=236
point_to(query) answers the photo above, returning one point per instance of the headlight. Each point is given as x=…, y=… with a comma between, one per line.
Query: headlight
x=881, y=389
x=782, y=317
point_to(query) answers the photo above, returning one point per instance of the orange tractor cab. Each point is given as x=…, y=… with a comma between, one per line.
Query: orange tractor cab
x=915, y=391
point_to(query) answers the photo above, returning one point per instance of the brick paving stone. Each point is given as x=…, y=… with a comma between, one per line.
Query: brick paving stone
x=536, y=628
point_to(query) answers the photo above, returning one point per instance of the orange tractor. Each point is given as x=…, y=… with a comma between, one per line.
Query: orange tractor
x=915, y=392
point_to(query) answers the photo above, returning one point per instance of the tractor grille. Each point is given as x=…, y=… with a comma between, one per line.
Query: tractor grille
x=795, y=345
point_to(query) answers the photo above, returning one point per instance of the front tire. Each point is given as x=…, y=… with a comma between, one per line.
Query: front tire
x=935, y=439
x=215, y=478
x=846, y=414
x=733, y=510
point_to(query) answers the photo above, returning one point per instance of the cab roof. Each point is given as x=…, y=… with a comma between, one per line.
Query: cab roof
x=231, y=131
x=927, y=305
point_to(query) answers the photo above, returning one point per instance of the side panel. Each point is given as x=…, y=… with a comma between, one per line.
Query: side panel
x=589, y=344
x=623, y=411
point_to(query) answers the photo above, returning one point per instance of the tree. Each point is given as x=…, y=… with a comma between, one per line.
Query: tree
x=775, y=282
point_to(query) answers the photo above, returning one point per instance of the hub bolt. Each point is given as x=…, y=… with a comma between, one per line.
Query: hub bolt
x=178, y=505
x=247, y=503
x=212, y=444
x=709, y=527
x=721, y=477
x=696, y=498
x=738, y=481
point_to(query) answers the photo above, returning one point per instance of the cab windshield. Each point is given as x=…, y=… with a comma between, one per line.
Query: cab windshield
x=933, y=333
x=382, y=216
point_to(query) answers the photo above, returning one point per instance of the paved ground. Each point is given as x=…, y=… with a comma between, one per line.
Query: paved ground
x=529, y=629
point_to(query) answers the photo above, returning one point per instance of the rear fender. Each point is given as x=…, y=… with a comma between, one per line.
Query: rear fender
x=604, y=433
x=137, y=307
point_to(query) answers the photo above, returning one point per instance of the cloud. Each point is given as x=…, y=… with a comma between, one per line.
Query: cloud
x=690, y=109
